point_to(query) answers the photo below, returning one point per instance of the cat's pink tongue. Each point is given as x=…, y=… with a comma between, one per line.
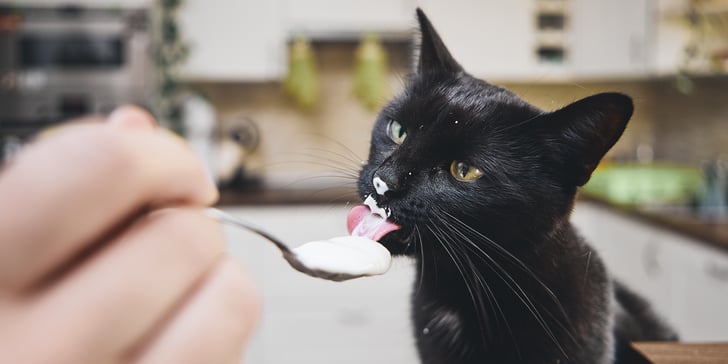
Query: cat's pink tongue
x=362, y=222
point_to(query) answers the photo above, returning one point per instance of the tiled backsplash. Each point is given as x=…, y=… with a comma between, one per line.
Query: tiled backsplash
x=692, y=128
x=300, y=143
x=680, y=128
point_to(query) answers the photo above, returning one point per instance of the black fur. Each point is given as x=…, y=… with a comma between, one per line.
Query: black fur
x=503, y=277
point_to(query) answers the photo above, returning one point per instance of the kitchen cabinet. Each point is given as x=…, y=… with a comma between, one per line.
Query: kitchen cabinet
x=671, y=36
x=309, y=320
x=335, y=19
x=89, y=3
x=536, y=40
x=691, y=37
x=500, y=41
x=491, y=39
x=686, y=281
x=702, y=298
x=610, y=38
x=232, y=40
x=631, y=251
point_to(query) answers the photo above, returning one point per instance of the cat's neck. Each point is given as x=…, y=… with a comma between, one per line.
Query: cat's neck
x=501, y=300
x=513, y=259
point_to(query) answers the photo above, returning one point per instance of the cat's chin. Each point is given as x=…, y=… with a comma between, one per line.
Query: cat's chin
x=374, y=222
x=399, y=242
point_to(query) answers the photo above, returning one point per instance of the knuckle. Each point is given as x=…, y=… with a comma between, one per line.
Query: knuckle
x=111, y=153
x=195, y=235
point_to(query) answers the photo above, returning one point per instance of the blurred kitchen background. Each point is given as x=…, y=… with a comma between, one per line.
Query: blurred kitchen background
x=278, y=97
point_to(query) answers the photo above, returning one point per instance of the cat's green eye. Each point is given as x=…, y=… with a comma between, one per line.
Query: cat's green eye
x=396, y=132
x=464, y=172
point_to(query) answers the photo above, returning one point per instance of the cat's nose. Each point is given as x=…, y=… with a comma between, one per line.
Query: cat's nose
x=380, y=186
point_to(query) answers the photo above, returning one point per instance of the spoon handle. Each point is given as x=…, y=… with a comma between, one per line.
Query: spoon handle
x=288, y=254
x=229, y=219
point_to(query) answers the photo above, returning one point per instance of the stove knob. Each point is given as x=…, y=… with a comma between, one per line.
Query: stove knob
x=9, y=81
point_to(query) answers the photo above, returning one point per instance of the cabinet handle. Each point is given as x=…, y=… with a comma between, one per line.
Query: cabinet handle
x=650, y=260
x=716, y=271
x=636, y=49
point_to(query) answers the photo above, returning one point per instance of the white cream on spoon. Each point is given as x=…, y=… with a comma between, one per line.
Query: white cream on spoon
x=358, y=254
x=345, y=255
x=339, y=258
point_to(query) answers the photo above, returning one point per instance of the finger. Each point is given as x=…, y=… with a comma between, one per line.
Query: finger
x=132, y=117
x=52, y=130
x=66, y=192
x=105, y=306
x=212, y=326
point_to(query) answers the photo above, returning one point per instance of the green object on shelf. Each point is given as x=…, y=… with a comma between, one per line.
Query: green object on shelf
x=637, y=184
x=370, y=73
x=301, y=83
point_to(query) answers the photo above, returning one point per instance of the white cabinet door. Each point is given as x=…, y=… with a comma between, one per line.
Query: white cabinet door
x=88, y=3
x=686, y=282
x=232, y=40
x=336, y=18
x=671, y=36
x=491, y=39
x=309, y=320
x=499, y=40
x=610, y=38
x=632, y=251
x=700, y=276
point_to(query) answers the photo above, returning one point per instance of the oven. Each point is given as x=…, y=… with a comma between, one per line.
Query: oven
x=58, y=63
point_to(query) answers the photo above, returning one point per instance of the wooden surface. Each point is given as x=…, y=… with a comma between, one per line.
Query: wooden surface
x=683, y=353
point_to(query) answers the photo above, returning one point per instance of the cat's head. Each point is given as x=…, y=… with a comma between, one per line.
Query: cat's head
x=453, y=149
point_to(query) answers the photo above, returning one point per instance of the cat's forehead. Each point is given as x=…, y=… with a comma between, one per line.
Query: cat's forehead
x=465, y=101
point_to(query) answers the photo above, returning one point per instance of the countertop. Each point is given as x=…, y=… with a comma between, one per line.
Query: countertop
x=713, y=232
x=289, y=196
x=681, y=221
x=683, y=353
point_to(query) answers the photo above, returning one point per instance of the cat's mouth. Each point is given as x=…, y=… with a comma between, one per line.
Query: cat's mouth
x=370, y=221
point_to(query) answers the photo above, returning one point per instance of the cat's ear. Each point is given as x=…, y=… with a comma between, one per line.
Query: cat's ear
x=585, y=130
x=434, y=56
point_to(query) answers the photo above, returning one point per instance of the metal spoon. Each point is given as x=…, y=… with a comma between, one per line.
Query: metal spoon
x=288, y=254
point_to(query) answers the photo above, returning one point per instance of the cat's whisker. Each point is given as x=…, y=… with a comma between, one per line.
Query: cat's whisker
x=517, y=289
x=343, y=146
x=494, y=305
x=330, y=164
x=340, y=198
x=501, y=314
x=422, y=258
x=475, y=296
x=497, y=310
x=551, y=294
x=339, y=162
x=333, y=157
x=586, y=270
x=273, y=166
x=326, y=182
x=521, y=123
x=500, y=249
x=330, y=173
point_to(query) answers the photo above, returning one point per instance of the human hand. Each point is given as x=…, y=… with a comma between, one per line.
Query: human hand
x=105, y=256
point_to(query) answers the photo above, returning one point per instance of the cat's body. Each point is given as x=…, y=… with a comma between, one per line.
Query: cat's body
x=482, y=184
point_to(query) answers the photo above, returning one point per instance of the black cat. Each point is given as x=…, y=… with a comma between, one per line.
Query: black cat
x=482, y=185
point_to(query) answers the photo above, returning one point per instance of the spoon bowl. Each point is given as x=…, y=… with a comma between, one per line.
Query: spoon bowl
x=289, y=254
